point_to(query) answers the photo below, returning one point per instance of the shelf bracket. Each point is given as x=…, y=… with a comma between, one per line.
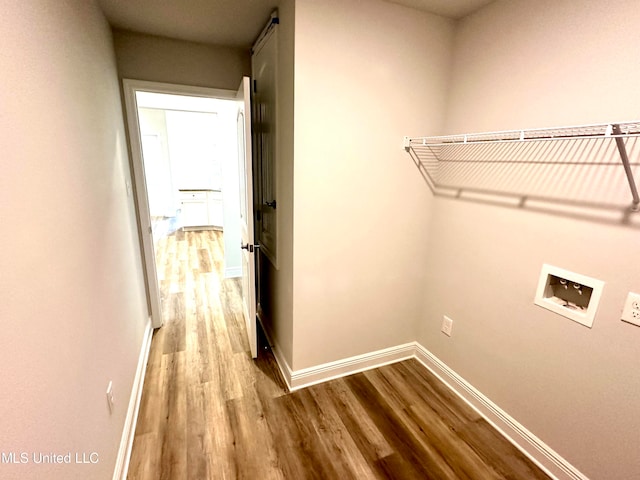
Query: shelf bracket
x=635, y=206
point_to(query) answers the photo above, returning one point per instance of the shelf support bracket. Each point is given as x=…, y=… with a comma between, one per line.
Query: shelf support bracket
x=635, y=206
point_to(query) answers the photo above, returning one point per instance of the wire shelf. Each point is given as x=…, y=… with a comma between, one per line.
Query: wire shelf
x=580, y=164
x=604, y=130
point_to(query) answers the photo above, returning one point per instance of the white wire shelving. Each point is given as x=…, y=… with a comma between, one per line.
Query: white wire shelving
x=589, y=165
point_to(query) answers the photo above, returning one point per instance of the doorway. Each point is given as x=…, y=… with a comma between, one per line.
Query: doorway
x=185, y=162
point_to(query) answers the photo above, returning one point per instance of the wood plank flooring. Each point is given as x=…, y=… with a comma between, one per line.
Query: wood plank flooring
x=209, y=411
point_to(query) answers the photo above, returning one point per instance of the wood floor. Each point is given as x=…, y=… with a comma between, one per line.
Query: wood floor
x=209, y=411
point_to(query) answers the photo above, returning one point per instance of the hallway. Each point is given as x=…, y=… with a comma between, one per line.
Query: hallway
x=209, y=411
x=200, y=373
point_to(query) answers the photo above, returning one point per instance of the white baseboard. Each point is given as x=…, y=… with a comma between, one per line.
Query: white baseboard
x=540, y=453
x=282, y=363
x=233, y=272
x=126, y=442
x=285, y=369
x=340, y=368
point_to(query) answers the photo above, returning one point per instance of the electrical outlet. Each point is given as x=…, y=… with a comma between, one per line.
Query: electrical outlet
x=110, y=396
x=631, y=310
x=447, y=325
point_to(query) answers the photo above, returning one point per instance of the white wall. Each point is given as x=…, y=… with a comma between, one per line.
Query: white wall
x=73, y=304
x=228, y=150
x=520, y=64
x=159, y=59
x=366, y=73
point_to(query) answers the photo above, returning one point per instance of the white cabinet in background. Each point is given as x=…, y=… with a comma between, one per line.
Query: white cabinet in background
x=201, y=209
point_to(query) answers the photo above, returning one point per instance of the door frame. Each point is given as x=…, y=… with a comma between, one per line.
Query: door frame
x=129, y=88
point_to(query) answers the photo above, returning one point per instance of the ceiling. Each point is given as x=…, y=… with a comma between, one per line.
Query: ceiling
x=230, y=22
x=455, y=9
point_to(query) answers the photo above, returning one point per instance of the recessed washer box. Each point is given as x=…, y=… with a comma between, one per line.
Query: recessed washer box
x=569, y=294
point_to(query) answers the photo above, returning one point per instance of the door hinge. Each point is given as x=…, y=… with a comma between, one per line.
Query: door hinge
x=255, y=86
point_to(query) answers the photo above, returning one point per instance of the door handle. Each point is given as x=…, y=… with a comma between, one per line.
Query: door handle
x=271, y=204
x=248, y=247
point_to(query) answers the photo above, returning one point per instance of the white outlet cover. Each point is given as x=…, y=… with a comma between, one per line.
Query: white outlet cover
x=447, y=325
x=110, y=396
x=631, y=310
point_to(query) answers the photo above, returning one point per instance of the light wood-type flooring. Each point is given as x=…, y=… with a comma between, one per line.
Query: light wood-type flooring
x=209, y=411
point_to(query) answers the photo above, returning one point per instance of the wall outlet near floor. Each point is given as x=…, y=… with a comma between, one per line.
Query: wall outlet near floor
x=631, y=310
x=110, y=396
x=447, y=325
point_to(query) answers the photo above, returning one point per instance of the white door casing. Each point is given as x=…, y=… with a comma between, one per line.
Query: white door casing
x=142, y=204
x=249, y=250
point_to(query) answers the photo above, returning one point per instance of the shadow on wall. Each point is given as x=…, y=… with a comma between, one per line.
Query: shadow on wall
x=576, y=172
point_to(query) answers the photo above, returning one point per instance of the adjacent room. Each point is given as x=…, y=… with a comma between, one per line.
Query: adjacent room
x=189, y=158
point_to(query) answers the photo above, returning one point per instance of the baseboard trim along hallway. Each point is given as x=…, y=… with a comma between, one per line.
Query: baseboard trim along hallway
x=233, y=272
x=348, y=366
x=552, y=463
x=126, y=442
x=281, y=361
